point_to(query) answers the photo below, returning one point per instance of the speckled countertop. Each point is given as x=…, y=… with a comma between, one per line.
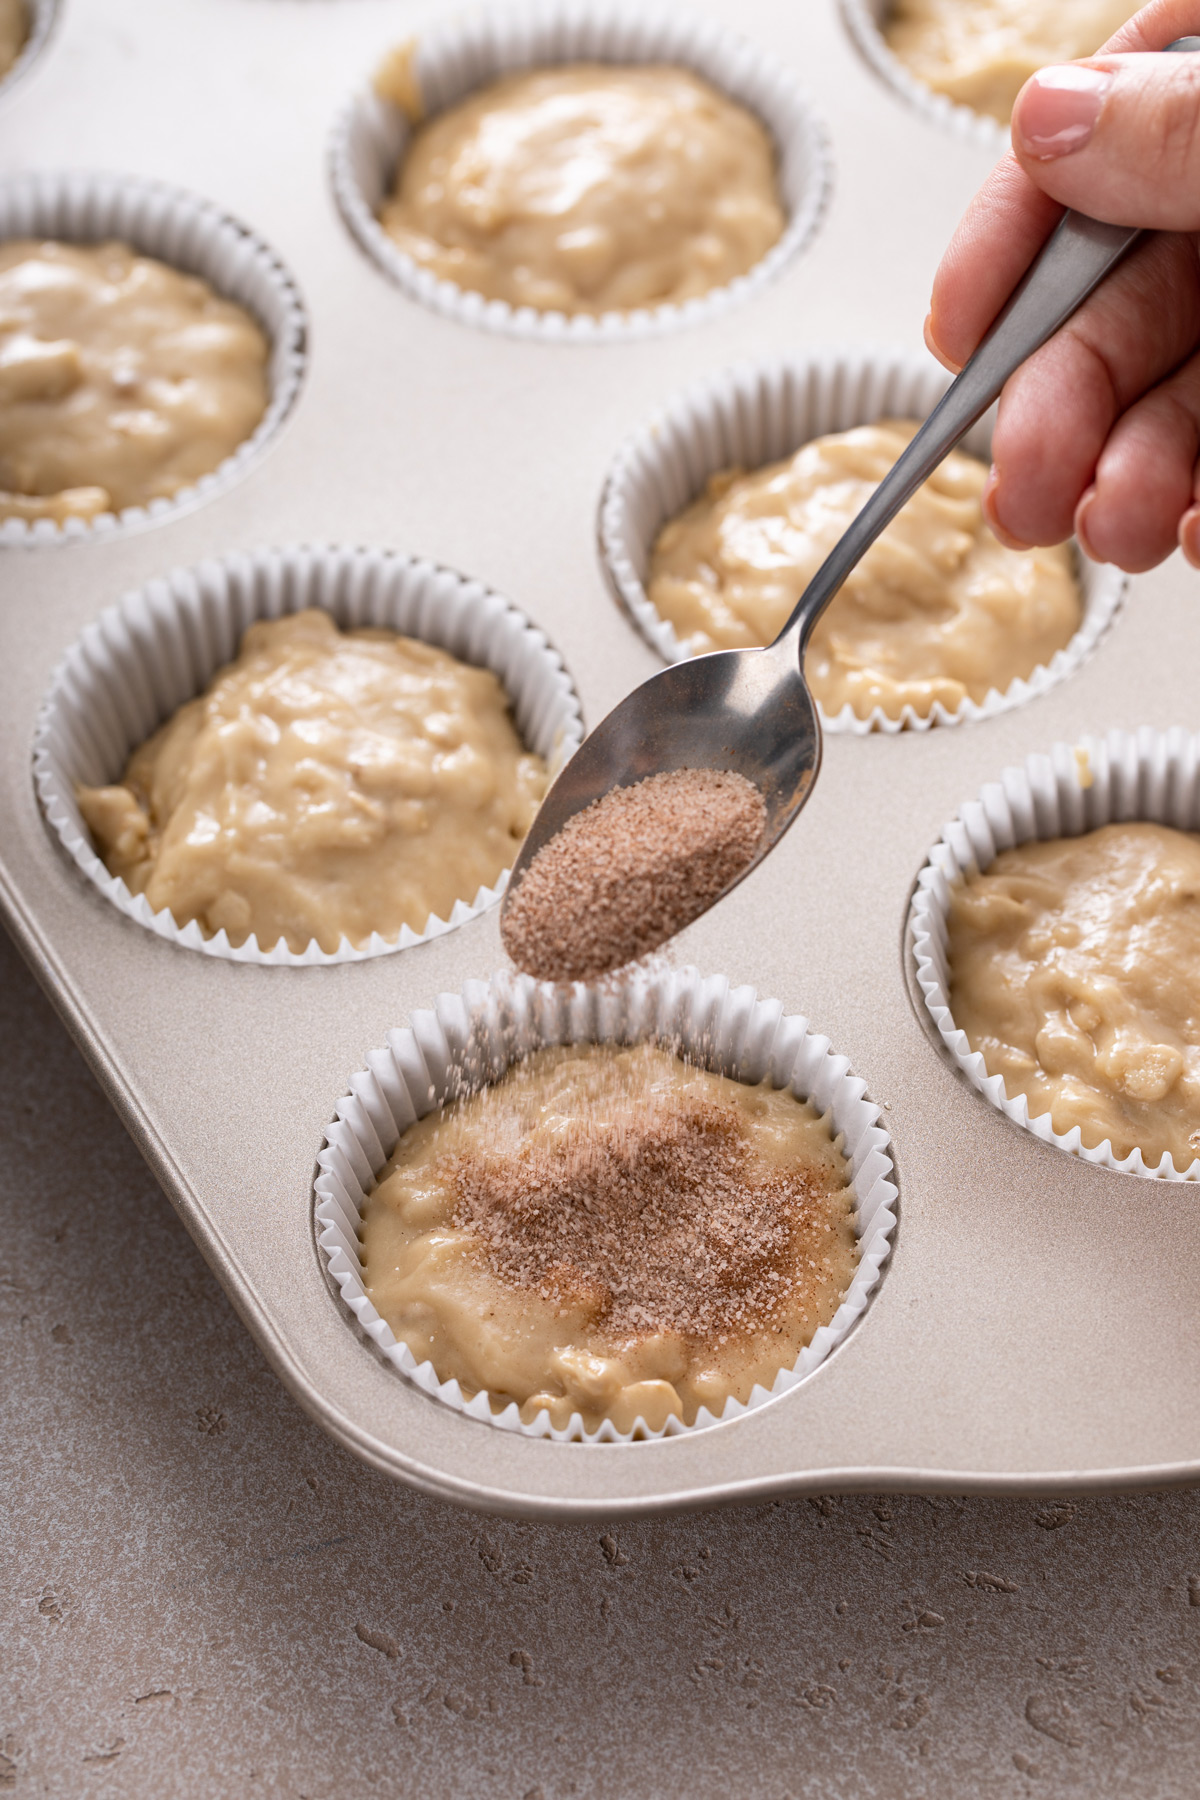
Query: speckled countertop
x=200, y=1594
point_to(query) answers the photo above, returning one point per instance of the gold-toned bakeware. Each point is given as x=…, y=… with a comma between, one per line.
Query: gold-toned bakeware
x=1037, y=1328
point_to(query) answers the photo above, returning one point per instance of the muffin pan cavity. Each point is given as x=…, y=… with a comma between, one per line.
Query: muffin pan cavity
x=758, y=413
x=864, y=21
x=1152, y=775
x=163, y=644
x=43, y=20
x=191, y=235
x=490, y=1025
x=453, y=58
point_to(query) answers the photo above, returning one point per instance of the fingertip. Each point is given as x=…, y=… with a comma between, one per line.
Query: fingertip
x=935, y=349
x=1081, y=527
x=1189, y=535
x=990, y=513
x=1056, y=113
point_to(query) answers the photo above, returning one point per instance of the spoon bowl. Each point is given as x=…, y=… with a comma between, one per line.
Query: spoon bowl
x=748, y=711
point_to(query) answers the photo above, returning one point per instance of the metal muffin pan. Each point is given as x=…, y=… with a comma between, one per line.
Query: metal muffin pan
x=1037, y=1328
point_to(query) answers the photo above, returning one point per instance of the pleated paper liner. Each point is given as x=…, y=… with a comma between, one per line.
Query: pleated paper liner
x=758, y=413
x=191, y=235
x=43, y=20
x=490, y=1025
x=162, y=645
x=454, y=57
x=1148, y=774
x=864, y=20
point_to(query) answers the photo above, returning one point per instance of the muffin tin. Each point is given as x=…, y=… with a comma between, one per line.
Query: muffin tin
x=1036, y=1327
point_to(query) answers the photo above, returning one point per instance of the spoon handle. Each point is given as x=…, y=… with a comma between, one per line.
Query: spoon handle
x=1077, y=257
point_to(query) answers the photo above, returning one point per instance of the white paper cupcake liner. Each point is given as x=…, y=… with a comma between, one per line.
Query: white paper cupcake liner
x=43, y=18
x=192, y=235
x=490, y=1025
x=162, y=644
x=1149, y=774
x=863, y=20
x=760, y=412
x=459, y=55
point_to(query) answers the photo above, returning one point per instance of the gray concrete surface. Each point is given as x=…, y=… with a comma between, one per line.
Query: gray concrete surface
x=201, y=1595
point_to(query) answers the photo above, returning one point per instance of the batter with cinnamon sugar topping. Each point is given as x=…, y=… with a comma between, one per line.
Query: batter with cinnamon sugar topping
x=614, y=1233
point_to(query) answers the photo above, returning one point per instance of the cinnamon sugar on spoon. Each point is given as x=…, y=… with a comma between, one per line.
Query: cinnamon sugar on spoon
x=631, y=870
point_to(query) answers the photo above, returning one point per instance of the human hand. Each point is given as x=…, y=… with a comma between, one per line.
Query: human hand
x=1099, y=431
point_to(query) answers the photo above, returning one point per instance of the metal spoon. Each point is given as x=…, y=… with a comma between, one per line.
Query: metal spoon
x=750, y=710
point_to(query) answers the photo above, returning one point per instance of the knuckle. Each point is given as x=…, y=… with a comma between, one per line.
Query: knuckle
x=1174, y=126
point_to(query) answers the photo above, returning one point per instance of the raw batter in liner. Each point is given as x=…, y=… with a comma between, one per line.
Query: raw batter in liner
x=328, y=784
x=614, y=1233
x=937, y=610
x=121, y=380
x=14, y=29
x=981, y=53
x=1075, y=971
x=589, y=188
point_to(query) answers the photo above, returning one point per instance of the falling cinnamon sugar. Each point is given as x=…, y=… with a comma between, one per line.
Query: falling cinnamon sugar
x=631, y=870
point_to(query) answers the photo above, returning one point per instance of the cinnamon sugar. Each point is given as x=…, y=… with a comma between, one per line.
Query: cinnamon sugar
x=612, y=1231
x=663, y=1221
x=630, y=871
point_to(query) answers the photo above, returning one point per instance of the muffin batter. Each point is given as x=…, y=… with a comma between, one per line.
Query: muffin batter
x=14, y=29
x=121, y=380
x=1075, y=971
x=614, y=1233
x=589, y=188
x=981, y=53
x=329, y=784
x=938, y=609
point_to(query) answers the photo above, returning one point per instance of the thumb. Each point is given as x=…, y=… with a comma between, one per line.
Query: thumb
x=1117, y=137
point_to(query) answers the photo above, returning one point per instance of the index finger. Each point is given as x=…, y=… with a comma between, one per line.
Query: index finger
x=1156, y=26
x=1001, y=232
